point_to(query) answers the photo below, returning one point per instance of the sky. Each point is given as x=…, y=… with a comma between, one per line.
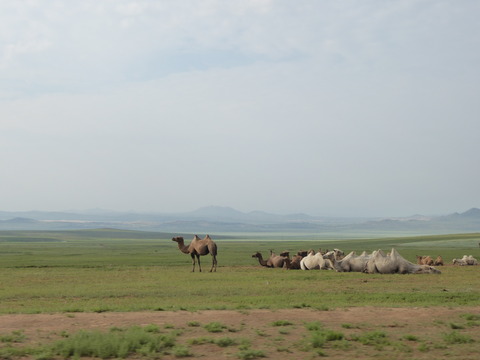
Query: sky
x=330, y=108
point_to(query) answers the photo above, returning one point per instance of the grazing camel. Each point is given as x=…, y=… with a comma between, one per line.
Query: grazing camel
x=199, y=247
x=394, y=263
x=274, y=261
x=315, y=261
x=351, y=262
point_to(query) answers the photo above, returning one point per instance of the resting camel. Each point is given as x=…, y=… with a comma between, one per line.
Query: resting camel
x=394, y=263
x=424, y=260
x=465, y=260
x=294, y=263
x=315, y=261
x=351, y=262
x=438, y=261
x=199, y=247
x=274, y=261
x=459, y=262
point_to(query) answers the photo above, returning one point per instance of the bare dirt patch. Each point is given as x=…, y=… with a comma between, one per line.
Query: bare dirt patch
x=280, y=334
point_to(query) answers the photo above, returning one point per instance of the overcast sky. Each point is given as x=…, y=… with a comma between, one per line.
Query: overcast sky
x=367, y=107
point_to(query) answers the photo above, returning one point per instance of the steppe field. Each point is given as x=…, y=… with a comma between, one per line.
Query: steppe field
x=94, y=294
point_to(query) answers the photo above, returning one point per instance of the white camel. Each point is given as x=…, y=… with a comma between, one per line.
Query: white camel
x=315, y=261
x=394, y=263
x=352, y=262
x=465, y=260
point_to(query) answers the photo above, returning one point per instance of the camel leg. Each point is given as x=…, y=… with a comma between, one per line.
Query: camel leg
x=214, y=264
x=198, y=260
x=193, y=262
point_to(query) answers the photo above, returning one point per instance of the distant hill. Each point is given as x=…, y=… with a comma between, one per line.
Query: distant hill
x=225, y=219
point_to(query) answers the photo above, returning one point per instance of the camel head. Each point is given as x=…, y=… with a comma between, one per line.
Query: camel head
x=338, y=253
x=285, y=254
x=177, y=239
x=330, y=256
x=257, y=255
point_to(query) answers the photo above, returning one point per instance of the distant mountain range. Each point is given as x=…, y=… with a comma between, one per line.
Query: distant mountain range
x=227, y=220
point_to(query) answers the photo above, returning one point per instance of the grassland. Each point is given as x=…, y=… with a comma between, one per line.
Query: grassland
x=85, y=294
x=110, y=270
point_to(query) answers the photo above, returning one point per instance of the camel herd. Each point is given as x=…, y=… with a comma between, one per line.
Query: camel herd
x=376, y=262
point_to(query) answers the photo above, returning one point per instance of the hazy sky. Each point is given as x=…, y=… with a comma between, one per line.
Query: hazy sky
x=367, y=107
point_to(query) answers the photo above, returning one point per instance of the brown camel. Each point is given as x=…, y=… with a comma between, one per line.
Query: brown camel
x=294, y=263
x=425, y=260
x=274, y=261
x=438, y=261
x=199, y=247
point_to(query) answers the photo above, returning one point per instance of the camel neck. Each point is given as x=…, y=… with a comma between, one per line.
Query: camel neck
x=182, y=247
x=261, y=261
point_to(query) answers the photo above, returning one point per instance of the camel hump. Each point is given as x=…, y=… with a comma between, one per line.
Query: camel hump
x=195, y=237
x=207, y=237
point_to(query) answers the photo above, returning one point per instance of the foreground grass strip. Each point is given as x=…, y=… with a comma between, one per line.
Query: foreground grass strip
x=377, y=339
x=455, y=337
x=115, y=344
x=250, y=354
x=215, y=327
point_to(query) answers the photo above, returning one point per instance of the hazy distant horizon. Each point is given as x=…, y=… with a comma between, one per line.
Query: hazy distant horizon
x=330, y=108
x=219, y=208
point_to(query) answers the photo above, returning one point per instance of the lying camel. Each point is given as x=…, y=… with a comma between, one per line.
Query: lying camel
x=315, y=261
x=424, y=260
x=438, y=261
x=294, y=263
x=352, y=262
x=465, y=260
x=394, y=263
x=274, y=261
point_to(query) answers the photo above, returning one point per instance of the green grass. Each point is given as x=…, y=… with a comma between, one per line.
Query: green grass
x=455, y=337
x=310, y=341
x=112, y=270
x=215, y=327
x=114, y=344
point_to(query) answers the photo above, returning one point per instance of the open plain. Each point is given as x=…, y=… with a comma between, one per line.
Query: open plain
x=59, y=286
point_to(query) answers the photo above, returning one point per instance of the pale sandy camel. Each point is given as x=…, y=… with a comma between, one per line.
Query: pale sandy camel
x=199, y=247
x=394, y=263
x=315, y=261
x=351, y=262
x=465, y=260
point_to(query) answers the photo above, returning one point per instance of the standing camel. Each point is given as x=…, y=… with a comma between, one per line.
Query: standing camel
x=199, y=247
